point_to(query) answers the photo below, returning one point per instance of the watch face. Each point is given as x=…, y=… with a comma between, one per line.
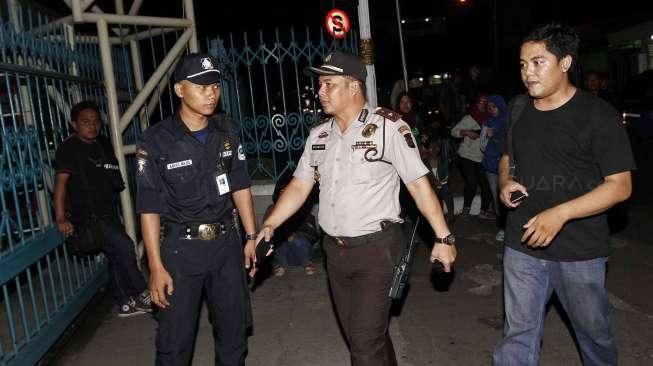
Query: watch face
x=449, y=239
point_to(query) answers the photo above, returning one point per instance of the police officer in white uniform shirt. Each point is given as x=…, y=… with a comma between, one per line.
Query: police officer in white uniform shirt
x=357, y=157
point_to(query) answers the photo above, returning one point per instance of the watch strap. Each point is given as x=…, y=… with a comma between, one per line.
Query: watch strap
x=447, y=240
x=250, y=236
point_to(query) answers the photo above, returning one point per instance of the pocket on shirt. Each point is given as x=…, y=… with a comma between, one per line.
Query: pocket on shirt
x=182, y=181
x=363, y=171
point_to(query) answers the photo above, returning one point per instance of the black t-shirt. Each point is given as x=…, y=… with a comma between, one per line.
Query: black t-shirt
x=561, y=155
x=103, y=176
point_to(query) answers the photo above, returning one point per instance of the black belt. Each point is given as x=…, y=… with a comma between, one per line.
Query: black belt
x=197, y=231
x=354, y=241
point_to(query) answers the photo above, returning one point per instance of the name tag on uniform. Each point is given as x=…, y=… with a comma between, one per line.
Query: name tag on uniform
x=223, y=183
x=179, y=164
x=318, y=147
x=110, y=167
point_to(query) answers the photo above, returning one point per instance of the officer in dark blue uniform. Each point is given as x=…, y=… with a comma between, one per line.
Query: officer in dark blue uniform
x=190, y=168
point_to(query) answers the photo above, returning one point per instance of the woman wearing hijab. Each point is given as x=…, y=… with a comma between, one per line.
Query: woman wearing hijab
x=469, y=129
x=491, y=140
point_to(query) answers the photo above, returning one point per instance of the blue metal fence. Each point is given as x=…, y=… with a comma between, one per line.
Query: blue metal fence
x=43, y=71
x=47, y=67
x=265, y=91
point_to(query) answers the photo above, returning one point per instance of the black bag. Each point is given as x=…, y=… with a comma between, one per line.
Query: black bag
x=87, y=238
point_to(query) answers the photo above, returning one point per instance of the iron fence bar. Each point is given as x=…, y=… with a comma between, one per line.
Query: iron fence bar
x=21, y=304
x=66, y=262
x=62, y=284
x=10, y=318
x=53, y=288
x=32, y=294
x=43, y=289
x=153, y=55
x=287, y=119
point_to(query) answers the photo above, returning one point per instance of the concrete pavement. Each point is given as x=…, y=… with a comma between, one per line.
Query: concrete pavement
x=444, y=320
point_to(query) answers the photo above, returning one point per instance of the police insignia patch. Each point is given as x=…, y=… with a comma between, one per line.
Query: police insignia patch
x=404, y=128
x=227, y=145
x=369, y=130
x=241, y=152
x=141, y=160
x=322, y=135
x=409, y=140
x=388, y=114
x=140, y=165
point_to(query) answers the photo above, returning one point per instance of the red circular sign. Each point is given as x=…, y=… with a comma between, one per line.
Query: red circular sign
x=337, y=23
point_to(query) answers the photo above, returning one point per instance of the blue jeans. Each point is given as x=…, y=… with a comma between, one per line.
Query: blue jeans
x=295, y=252
x=527, y=286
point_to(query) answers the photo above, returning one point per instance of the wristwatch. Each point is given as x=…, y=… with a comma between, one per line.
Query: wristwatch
x=250, y=236
x=447, y=240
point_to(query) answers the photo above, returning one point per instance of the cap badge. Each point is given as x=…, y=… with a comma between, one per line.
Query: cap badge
x=207, y=64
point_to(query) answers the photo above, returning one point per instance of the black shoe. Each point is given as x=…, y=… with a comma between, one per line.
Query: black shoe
x=143, y=302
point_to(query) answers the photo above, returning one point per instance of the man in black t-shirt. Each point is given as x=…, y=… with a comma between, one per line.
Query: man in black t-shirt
x=87, y=154
x=572, y=160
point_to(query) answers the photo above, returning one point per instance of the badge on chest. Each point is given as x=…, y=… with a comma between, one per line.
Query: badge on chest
x=221, y=179
x=220, y=176
x=222, y=183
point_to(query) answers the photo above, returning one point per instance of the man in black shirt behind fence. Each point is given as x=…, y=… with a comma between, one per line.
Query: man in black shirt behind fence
x=88, y=156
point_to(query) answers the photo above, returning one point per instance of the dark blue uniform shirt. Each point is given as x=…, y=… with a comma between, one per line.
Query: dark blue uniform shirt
x=176, y=174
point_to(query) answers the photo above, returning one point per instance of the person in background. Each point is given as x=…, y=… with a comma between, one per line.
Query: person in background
x=406, y=108
x=469, y=151
x=437, y=160
x=295, y=238
x=104, y=181
x=492, y=136
x=597, y=83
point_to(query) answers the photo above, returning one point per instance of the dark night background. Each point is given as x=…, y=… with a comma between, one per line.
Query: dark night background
x=459, y=34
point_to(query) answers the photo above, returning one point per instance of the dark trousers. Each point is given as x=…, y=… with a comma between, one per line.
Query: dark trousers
x=474, y=176
x=214, y=268
x=125, y=279
x=295, y=252
x=446, y=198
x=360, y=278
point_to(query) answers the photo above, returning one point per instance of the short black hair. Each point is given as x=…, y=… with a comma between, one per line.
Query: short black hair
x=79, y=107
x=560, y=40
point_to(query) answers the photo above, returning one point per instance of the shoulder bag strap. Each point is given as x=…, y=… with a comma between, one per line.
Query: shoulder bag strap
x=518, y=105
x=85, y=186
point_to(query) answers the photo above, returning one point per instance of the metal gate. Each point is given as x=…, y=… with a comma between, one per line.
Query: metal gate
x=45, y=67
x=265, y=91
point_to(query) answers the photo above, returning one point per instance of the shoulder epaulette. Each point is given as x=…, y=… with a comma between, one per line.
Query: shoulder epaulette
x=388, y=114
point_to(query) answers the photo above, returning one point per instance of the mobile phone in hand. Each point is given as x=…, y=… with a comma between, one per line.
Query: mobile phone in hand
x=262, y=249
x=517, y=196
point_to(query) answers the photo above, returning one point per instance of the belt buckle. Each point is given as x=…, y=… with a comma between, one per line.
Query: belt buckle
x=339, y=241
x=207, y=231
